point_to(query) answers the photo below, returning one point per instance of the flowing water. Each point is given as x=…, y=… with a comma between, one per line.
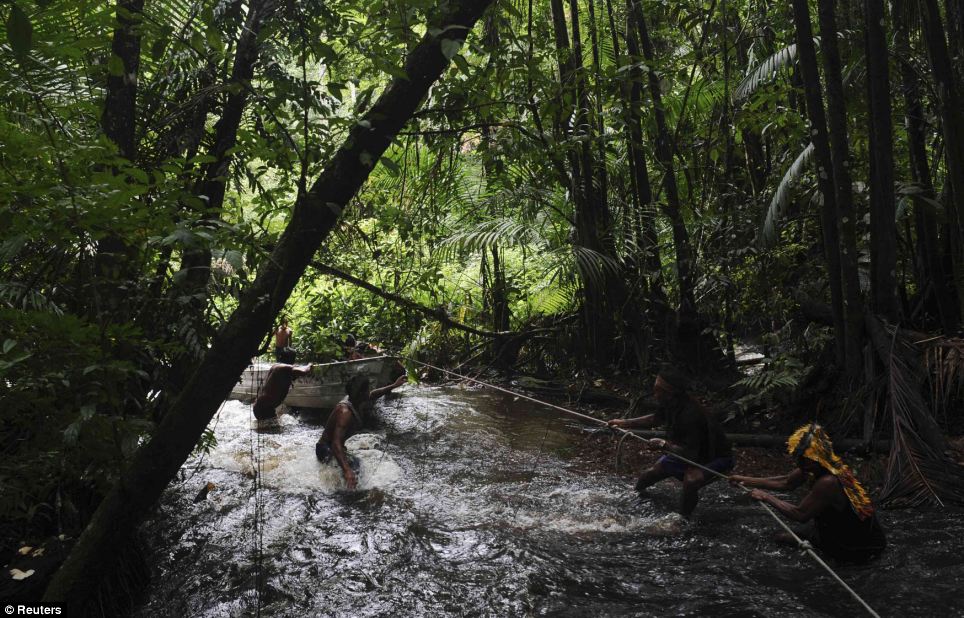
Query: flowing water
x=470, y=504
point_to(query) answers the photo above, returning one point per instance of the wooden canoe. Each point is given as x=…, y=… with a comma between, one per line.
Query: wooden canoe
x=325, y=387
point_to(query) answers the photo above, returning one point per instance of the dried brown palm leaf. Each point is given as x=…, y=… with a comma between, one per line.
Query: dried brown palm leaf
x=918, y=470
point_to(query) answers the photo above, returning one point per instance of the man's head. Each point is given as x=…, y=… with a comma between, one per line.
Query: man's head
x=357, y=387
x=811, y=449
x=670, y=383
x=350, y=341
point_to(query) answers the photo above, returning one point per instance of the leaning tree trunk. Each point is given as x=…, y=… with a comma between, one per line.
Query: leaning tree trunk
x=315, y=214
x=883, y=226
x=843, y=191
x=825, y=180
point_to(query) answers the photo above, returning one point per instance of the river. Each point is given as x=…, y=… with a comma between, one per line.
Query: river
x=470, y=503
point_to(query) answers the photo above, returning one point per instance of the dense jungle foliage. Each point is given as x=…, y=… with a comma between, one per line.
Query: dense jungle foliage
x=590, y=186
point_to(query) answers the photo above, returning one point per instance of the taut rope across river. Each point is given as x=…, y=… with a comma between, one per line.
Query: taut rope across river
x=804, y=545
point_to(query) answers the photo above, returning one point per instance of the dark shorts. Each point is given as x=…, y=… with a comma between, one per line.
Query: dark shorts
x=324, y=455
x=285, y=355
x=676, y=467
x=264, y=412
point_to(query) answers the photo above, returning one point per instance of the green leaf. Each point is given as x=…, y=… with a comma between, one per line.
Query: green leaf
x=450, y=47
x=19, y=31
x=391, y=166
x=8, y=345
x=157, y=49
x=461, y=63
x=214, y=40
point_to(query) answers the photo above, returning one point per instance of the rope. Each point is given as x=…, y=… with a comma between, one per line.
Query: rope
x=626, y=433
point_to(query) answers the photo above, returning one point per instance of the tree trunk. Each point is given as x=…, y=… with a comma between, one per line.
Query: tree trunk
x=843, y=186
x=644, y=221
x=883, y=226
x=114, y=260
x=952, y=125
x=933, y=279
x=593, y=221
x=211, y=187
x=315, y=214
x=818, y=130
x=664, y=153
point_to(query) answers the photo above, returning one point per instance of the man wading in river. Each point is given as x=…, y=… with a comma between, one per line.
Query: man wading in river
x=345, y=420
x=845, y=525
x=275, y=388
x=692, y=433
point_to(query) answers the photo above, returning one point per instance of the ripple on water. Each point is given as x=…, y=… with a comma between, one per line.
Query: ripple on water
x=468, y=507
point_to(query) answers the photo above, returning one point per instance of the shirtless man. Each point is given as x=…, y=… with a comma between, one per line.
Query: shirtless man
x=692, y=432
x=283, y=352
x=345, y=420
x=275, y=388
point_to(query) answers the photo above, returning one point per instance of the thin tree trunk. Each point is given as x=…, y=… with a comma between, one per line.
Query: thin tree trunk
x=648, y=242
x=211, y=186
x=843, y=191
x=115, y=258
x=883, y=209
x=315, y=215
x=592, y=218
x=829, y=215
x=664, y=153
x=933, y=276
x=952, y=125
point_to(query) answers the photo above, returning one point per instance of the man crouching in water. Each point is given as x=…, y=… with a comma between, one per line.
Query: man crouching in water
x=845, y=524
x=275, y=388
x=692, y=433
x=345, y=420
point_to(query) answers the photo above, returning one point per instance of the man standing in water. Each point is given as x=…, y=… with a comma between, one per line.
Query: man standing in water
x=283, y=352
x=345, y=420
x=692, y=433
x=845, y=524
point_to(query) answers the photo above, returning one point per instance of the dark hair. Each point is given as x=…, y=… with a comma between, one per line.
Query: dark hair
x=356, y=382
x=675, y=378
x=350, y=340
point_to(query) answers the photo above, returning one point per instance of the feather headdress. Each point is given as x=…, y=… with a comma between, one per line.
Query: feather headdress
x=812, y=442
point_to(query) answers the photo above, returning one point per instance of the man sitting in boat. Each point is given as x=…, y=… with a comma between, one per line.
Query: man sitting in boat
x=692, y=432
x=346, y=419
x=845, y=524
x=275, y=388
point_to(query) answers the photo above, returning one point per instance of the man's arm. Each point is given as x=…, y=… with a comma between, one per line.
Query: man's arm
x=339, y=431
x=378, y=392
x=786, y=482
x=300, y=373
x=819, y=498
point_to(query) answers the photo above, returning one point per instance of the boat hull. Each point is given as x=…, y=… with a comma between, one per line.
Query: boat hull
x=325, y=387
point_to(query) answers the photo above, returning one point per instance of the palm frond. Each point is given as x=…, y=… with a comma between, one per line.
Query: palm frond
x=497, y=232
x=918, y=470
x=595, y=267
x=781, y=198
x=767, y=70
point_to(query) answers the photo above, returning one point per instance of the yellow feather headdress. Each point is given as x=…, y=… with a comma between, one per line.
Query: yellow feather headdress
x=812, y=442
